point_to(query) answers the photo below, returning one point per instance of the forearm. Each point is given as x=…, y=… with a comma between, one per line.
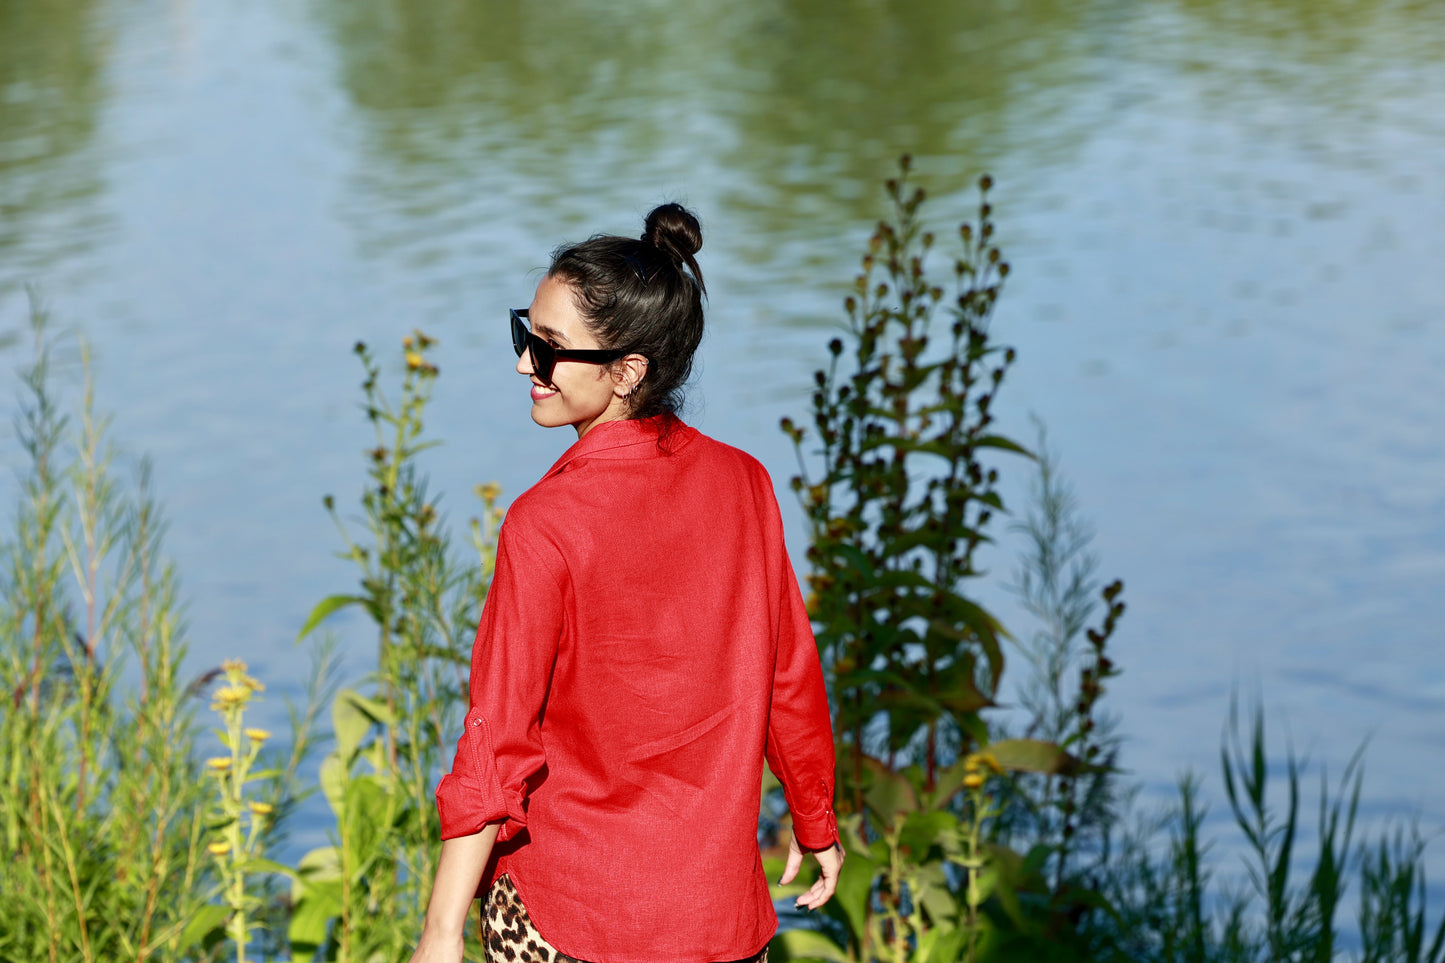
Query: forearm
x=459, y=871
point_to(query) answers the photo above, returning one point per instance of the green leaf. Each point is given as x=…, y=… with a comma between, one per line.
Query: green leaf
x=946, y=782
x=999, y=441
x=376, y=811
x=324, y=609
x=809, y=945
x=352, y=715
x=333, y=782
x=932, y=892
x=967, y=621
x=1003, y=875
x=922, y=829
x=311, y=913
x=257, y=864
x=856, y=558
x=207, y=919
x=319, y=865
x=855, y=884
x=1032, y=755
x=886, y=582
x=961, y=694
x=887, y=791
x=942, y=944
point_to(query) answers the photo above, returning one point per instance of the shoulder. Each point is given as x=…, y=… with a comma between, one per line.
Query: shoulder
x=529, y=508
x=743, y=476
x=533, y=516
x=723, y=456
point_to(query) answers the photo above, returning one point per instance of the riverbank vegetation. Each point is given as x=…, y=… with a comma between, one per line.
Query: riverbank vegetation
x=142, y=814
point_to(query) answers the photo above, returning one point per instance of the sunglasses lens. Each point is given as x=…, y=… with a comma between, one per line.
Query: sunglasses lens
x=543, y=358
x=519, y=334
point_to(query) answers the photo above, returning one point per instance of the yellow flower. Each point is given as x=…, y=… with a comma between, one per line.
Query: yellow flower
x=406, y=342
x=489, y=492
x=228, y=696
x=973, y=780
x=233, y=665
x=413, y=360
x=260, y=808
x=977, y=761
x=219, y=849
x=257, y=735
x=219, y=763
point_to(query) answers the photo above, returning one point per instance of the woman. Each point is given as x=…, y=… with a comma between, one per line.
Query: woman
x=643, y=647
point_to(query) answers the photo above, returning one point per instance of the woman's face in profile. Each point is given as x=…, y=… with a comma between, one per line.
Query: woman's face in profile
x=581, y=394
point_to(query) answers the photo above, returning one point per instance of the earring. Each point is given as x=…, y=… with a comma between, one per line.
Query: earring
x=638, y=381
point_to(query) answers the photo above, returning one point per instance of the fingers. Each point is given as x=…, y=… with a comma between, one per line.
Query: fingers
x=830, y=861
x=795, y=863
x=813, y=898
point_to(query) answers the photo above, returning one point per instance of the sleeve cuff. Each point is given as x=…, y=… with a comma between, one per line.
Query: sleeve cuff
x=817, y=830
x=470, y=796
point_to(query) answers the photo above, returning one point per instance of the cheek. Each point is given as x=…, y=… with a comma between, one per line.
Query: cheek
x=585, y=387
x=592, y=380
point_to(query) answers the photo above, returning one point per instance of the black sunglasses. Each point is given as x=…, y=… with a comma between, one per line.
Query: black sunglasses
x=545, y=354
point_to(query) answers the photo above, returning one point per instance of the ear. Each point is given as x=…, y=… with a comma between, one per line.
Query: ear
x=626, y=373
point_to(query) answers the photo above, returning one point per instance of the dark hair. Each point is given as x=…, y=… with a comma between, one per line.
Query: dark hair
x=643, y=296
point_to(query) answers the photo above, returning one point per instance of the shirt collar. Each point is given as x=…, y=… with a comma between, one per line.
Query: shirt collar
x=626, y=438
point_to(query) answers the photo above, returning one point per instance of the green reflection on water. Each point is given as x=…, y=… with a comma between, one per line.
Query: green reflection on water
x=51, y=93
x=1340, y=56
x=844, y=83
x=787, y=109
x=846, y=86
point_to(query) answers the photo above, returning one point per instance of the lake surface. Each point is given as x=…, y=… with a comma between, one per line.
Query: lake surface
x=1224, y=218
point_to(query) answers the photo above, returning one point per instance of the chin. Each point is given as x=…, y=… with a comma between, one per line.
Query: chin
x=550, y=412
x=547, y=419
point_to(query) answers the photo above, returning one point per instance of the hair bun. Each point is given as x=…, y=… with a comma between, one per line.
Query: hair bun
x=674, y=230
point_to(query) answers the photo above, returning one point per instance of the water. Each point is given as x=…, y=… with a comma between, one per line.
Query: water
x=1223, y=215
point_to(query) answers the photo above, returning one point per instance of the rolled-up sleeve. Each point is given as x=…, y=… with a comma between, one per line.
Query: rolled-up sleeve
x=516, y=646
x=800, y=734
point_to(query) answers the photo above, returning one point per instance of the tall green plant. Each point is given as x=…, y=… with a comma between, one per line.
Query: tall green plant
x=1057, y=582
x=103, y=801
x=364, y=896
x=898, y=512
x=100, y=806
x=904, y=498
x=1168, y=905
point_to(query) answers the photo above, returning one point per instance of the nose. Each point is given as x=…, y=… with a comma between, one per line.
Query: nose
x=524, y=363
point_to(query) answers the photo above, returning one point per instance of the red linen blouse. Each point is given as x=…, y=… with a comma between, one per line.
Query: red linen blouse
x=643, y=646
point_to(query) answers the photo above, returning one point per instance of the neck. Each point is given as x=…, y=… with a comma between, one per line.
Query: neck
x=616, y=410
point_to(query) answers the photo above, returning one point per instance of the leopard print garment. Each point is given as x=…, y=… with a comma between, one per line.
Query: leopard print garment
x=508, y=932
x=510, y=936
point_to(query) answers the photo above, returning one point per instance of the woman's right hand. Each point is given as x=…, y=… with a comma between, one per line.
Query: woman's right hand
x=830, y=864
